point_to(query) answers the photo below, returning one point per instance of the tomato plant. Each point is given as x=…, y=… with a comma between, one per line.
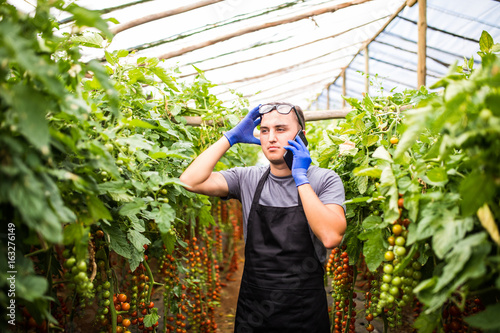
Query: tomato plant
x=89, y=163
x=420, y=172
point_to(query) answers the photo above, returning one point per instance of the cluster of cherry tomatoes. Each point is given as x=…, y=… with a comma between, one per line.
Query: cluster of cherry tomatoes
x=342, y=275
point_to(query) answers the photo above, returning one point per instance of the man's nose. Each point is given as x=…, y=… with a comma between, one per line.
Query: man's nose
x=272, y=136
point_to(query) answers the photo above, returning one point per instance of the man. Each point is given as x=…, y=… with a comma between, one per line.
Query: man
x=291, y=218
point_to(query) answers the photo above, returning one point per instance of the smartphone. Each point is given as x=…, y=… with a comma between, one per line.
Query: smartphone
x=289, y=155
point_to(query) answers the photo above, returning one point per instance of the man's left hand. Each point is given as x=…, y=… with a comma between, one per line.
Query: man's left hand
x=301, y=161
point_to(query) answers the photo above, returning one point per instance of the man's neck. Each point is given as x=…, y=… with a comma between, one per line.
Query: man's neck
x=280, y=170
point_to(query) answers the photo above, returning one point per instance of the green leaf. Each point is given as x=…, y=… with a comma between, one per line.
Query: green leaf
x=97, y=209
x=373, y=221
x=89, y=39
x=353, y=243
x=457, y=258
x=485, y=42
x=31, y=109
x=357, y=200
x=167, y=79
x=118, y=240
x=371, y=140
x=427, y=323
x=369, y=172
x=389, y=188
x=89, y=18
x=383, y=154
x=476, y=190
x=486, y=319
x=151, y=318
x=132, y=208
x=362, y=183
x=373, y=248
x=140, y=123
x=31, y=287
x=110, y=58
x=165, y=217
x=436, y=176
x=137, y=239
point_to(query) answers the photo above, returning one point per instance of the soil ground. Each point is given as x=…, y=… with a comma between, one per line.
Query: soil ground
x=229, y=296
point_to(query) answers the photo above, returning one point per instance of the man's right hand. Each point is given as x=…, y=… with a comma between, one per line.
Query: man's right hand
x=243, y=132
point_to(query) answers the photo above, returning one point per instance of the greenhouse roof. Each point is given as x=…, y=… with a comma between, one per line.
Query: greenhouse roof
x=275, y=50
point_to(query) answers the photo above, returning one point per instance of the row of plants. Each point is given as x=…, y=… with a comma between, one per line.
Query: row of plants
x=421, y=175
x=102, y=236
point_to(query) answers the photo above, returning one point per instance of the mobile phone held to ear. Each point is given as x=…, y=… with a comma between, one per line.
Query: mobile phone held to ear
x=289, y=155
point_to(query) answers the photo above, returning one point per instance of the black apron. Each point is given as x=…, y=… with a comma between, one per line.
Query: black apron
x=282, y=288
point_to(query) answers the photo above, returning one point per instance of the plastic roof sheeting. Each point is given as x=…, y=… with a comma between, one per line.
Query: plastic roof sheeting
x=286, y=53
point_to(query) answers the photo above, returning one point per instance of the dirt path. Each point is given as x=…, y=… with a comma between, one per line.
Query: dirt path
x=229, y=296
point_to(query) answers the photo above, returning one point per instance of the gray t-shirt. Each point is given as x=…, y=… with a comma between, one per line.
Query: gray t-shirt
x=282, y=192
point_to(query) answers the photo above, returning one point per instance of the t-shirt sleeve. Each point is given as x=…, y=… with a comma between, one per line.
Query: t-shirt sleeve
x=232, y=177
x=332, y=189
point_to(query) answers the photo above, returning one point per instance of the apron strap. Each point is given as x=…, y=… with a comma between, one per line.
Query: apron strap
x=260, y=186
x=258, y=191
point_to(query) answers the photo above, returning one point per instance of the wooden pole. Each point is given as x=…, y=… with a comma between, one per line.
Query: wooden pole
x=157, y=16
x=328, y=96
x=367, y=71
x=269, y=24
x=422, y=42
x=344, y=86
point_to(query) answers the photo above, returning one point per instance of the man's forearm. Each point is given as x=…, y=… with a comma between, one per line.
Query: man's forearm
x=201, y=168
x=327, y=223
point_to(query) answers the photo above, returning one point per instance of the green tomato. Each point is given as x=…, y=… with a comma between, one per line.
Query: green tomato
x=400, y=251
x=390, y=299
x=82, y=266
x=396, y=281
x=385, y=287
x=70, y=262
x=80, y=277
x=106, y=294
x=388, y=268
x=416, y=266
x=66, y=253
x=394, y=291
x=106, y=285
x=387, y=278
x=400, y=241
x=408, y=271
x=417, y=275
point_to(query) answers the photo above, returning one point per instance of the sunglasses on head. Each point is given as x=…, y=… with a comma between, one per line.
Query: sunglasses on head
x=281, y=108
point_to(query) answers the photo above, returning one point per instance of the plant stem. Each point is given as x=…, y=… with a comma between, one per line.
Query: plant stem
x=355, y=273
x=34, y=253
x=151, y=279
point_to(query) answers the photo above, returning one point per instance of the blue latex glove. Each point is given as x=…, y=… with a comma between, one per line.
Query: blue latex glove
x=301, y=161
x=243, y=132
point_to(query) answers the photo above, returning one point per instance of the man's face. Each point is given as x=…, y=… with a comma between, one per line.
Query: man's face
x=275, y=131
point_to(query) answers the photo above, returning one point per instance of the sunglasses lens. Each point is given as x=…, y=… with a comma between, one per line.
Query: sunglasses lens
x=284, y=109
x=265, y=108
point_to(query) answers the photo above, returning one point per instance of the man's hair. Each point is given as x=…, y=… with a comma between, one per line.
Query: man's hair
x=299, y=112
